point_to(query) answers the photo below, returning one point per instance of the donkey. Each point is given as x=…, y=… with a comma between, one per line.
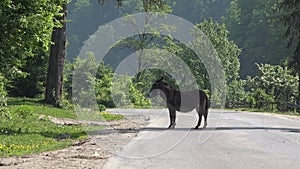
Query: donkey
x=182, y=101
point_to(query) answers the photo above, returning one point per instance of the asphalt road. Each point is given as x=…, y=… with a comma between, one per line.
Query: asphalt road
x=235, y=140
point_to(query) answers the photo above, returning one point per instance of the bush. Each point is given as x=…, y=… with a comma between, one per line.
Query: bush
x=101, y=107
x=3, y=93
x=23, y=111
x=121, y=92
x=136, y=97
x=103, y=84
x=260, y=96
x=83, y=81
x=235, y=92
x=126, y=93
x=31, y=78
x=64, y=104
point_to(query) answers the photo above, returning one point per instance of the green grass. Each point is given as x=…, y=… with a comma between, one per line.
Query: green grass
x=265, y=111
x=111, y=117
x=22, y=132
x=40, y=108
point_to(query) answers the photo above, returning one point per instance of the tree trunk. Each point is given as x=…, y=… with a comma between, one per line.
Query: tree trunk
x=297, y=57
x=56, y=62
x=298, y=97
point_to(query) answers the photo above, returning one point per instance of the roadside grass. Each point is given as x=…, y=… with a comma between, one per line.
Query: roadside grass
x=111, y=117
x=23, y=132
x=40, y=108
x=265, y=111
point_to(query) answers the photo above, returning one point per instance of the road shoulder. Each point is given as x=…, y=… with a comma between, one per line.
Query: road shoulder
x=89, y=153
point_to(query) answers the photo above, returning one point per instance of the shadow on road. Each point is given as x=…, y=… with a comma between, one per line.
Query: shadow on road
x=293, y=130
x=112, y=131
x=136, y=130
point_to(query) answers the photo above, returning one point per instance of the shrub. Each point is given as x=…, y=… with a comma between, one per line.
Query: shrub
x=23, y=111
x=64, y=104
x=136, y=97
x=3, y=93
x=101, y=107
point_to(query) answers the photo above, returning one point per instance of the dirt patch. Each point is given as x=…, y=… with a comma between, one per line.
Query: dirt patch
x=90, y=153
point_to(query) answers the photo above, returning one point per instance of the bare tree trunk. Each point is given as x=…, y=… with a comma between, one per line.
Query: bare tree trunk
x=297, y=58
x=56, y=62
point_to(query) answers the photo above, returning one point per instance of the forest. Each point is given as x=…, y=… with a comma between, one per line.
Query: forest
x=44, y=80
x=258, y=43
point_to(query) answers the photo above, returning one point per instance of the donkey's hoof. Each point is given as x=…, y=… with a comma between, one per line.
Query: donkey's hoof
x=172, y=126
x=197, y=127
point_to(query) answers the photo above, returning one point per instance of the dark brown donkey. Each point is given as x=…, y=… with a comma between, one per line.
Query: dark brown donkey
x=183, y=101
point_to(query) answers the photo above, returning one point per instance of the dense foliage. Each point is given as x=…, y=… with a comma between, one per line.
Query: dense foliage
x=25, y=30
x=3, y=92
x=110, y=89
x=248, y=36
x=290, y=16
x=25, y=37
x=227, y=50
x=254, y=26
x=257, y=41
x=274, y=86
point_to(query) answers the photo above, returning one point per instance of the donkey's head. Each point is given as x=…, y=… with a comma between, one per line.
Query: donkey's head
x=157, y=87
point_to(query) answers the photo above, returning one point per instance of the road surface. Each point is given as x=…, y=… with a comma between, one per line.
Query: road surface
x=235, y=140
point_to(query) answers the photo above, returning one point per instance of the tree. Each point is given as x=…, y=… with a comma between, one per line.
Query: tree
x=25, y=32
x=227, y=50
x=32, y=84
x=228, y=53
x=196, y=11
x=54, y=84
x=25, y=38
x=291, y=18
x=142, y=40
x=253, y=26
x=3, y=92
x=216, y=32
x=274, y=83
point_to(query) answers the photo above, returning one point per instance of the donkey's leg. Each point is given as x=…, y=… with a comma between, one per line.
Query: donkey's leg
x=205, y=117
x=172, y=113
x=171, y=117
x=199, y=111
